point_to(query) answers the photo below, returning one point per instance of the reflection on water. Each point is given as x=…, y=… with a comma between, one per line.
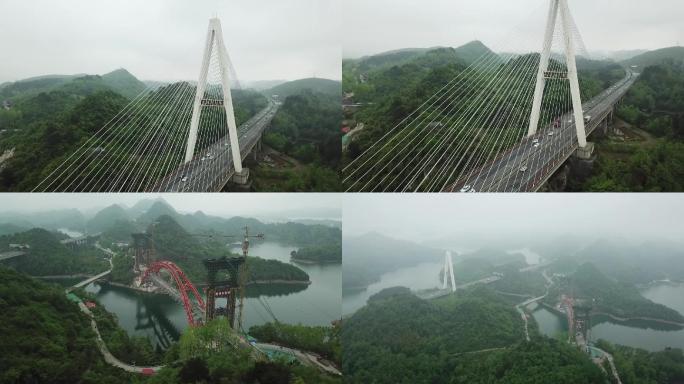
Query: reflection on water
x=422, y=276
x=652, y=336
x=162, y=319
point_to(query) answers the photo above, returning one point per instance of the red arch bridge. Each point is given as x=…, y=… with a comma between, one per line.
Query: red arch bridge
x=194, y=310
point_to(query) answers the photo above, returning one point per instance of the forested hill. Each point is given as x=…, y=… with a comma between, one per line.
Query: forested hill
x=48, y=257
x=388, y=95
x=617, y=299
x=306, y=129
x=472, y=337
x=316, y=85
x=46, y=338
x=658, y=56
x=172, y=242
x=49, y=118
x=120, y=81
x=649, y=155
x=466, y=54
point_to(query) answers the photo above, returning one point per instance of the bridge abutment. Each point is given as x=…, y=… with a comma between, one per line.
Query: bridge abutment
x=242, y=177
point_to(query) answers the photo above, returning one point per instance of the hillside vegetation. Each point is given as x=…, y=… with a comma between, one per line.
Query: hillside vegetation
x=654, y=161
x=472, y=337
x=48, y=257
x=46, y=124
x=46, y=338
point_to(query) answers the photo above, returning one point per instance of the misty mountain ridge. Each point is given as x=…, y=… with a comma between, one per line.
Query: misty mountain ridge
x=464, y=54
x=120, y=81
x=657, y=56
x=316, y=85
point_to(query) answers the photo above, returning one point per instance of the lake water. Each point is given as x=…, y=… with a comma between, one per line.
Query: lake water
x=640, y=334
x=162, y=319
x=422, y=276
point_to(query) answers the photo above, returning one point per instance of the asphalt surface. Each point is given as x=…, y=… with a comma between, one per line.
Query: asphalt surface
x=210, y=173
x=524, y=168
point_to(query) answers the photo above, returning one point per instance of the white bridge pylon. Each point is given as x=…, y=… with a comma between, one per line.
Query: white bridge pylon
x=559, y=7
x=449, y=272
x=215, y=41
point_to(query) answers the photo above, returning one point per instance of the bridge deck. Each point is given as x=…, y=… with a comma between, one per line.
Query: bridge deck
x=11, y=254
x=504, y=174
x=210, y=173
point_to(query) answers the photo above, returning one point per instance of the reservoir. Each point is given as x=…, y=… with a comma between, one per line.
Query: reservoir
x=162, y=319
x=639, y=334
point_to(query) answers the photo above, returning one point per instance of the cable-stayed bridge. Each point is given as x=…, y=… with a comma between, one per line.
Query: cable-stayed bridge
x=179, y=137
x=506, y=123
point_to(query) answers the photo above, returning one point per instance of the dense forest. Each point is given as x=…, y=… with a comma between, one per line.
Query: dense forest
x=615, y=298
x=189, y=252
x=472, y=337
x=651, y=157
x=637, y=366
x=51, y=118
x=223, y=363
x=48, y=257
x=306, y=128
x=46, y=338
x=329, y=253
x=322, y=340
x=542, y=360
x=399, y=338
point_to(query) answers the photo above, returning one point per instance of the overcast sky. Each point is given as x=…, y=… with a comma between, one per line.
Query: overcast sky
x=420, y=217
x=218, y=204
x=382, y=25
x=164, y=39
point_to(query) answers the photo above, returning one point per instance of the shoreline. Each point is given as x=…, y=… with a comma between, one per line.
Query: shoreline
x=622, y=319
x=259, y=282
x=313, y=262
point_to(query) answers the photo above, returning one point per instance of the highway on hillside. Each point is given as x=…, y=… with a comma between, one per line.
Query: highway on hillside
x=211, y=169
x=524, y=167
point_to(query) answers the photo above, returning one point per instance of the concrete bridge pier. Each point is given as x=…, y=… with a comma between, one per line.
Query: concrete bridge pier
x=242, y=177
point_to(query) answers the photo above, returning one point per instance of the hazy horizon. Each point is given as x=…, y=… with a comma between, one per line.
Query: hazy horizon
x=509, y=218
x=387, y=25
x=163, y=40
x=222, y=205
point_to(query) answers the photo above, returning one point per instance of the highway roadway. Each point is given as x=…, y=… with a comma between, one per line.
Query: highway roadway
x=524, y=168
x=211, y=169
x=11, y=254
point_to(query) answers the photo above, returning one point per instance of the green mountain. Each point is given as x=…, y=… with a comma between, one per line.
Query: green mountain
x=45, y=337
x=325, y=86
x=47, y=256
x=122, y=82
x=659, y=56
x=472, y=51
x=465, y=54
x=105, y=218
x=388, y=59
x=119, y=81
x=399, y=338
x=618, y=299
x=172, y=242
